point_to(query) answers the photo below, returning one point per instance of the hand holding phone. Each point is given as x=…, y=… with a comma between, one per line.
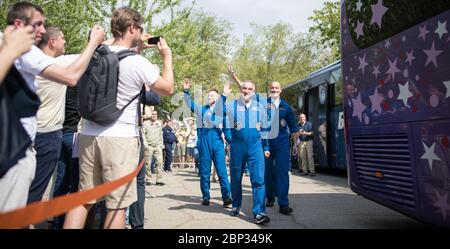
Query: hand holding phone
x=154, y=40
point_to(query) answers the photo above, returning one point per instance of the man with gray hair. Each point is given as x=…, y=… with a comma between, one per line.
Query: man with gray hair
x=247, y=120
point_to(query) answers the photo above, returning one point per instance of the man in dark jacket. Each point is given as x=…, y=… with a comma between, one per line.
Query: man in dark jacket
x=169, y=139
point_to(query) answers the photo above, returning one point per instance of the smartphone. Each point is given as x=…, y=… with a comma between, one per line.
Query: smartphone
x=154, y=40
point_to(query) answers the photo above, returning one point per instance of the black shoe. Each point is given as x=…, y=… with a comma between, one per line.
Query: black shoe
x=205, y=202
x=312, y=174
x=235, y=211
x=160, y=183
x=303, y=174
x=286, y=210
x=227, y=202
x=262, y=219
x=148, y=183
x=270, y=203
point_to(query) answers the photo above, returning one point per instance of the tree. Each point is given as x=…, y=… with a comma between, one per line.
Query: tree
x=276, y=53
x=327, y=24
x=75, y=17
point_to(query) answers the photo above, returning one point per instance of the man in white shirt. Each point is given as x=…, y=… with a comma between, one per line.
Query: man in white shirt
x=50, y=116
x=108, y=153
x=14, y=185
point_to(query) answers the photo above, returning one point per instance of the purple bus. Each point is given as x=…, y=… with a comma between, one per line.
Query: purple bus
x=396, y=73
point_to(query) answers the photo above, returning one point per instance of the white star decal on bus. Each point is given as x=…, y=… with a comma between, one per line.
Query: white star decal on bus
x=358, y=107
x=362, y=63
x=359, y=29
x=393, y=69
x=447, y=85
x=378, y=11
x=423, y=32
x=442, y=203
x=376, y=71
x=359, y=5
x=376, y=100
x=442, y=29
x=404, y=94
x=432, y=55
x=429, y=155
x=410, y=57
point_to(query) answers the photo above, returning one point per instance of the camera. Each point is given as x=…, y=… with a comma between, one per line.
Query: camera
x=154, y=40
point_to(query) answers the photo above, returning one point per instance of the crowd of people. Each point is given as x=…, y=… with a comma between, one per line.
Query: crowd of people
x=61, y=127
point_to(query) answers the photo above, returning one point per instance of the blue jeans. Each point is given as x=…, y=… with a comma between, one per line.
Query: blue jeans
x=48, y=147
x=67, y=174
x=136, y=210
x=168, y=157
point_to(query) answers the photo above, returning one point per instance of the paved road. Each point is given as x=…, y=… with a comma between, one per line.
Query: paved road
x=323, y=202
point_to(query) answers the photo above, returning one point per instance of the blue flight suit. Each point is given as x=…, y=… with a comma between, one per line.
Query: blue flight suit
x=210, y=147
x=248, y=132
x=283, y=122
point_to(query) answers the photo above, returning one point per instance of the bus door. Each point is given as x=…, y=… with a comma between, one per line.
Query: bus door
x=317, y=115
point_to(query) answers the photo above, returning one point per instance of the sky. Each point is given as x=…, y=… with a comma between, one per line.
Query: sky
x=240, y=13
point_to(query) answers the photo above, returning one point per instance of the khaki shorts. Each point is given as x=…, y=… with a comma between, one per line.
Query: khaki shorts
x=105, y=159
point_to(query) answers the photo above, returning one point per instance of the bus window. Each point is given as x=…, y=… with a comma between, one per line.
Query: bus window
x=400, y=15
x=336, y=88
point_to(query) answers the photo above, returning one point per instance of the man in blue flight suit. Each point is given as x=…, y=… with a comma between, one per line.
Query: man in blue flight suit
x=282, y=123
x=247, y=119
x=210, y=144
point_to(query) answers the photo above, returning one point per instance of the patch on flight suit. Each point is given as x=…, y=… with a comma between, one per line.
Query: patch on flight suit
x=241, y=109
x=258, y=126
x=238, y=126
x=271, y=106
x=254, y=108
x=283, y=123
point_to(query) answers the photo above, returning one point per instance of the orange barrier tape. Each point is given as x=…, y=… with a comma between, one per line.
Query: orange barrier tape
x=38, y=212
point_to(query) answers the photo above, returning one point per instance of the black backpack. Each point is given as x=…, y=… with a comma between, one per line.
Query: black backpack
x=17, y=101
x=97, y=88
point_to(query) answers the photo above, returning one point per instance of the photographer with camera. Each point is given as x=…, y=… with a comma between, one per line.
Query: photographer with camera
x=113, y=150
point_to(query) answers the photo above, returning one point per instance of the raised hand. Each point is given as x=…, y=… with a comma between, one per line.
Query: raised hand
x=143, y=42
x=227, y=88
x=230, y=69
x=18, y=41
x=186, y=84
x=164, y=49
x=97, y=35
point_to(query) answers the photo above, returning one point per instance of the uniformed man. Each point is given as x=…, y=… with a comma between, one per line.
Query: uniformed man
x=153, y=133
x=210, y=144
x=282, y=123
x=247, y=120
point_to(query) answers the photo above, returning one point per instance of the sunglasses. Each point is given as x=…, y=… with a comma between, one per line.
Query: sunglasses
x=140, y=28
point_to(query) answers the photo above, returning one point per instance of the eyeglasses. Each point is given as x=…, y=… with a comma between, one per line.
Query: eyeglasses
x=139, y=27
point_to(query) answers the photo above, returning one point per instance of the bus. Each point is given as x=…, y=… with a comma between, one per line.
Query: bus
x=319, y=97
x=396, y=74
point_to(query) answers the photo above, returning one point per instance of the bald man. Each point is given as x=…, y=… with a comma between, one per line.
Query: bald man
x=283, y=123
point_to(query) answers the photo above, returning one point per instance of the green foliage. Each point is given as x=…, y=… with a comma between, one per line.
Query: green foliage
x=201, y=43
x=275, y=53
x=75, y=17
x=327, y=24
